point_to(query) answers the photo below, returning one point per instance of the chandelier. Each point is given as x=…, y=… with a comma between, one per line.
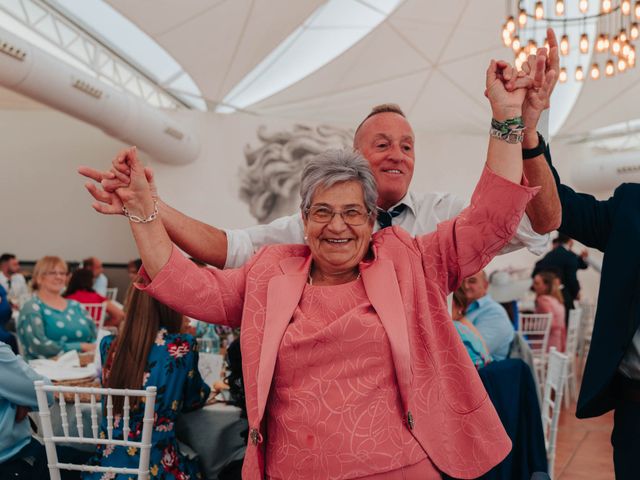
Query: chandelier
x=600, y=34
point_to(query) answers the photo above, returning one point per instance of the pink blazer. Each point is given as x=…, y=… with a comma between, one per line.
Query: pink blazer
x=558, y=331
x=407, y=280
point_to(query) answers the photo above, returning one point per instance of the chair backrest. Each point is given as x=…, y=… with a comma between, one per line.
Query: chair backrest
x=97, y=311
x=552, y=401
x=535, y=328
x=52, y=438
x=112, y=293
x=573, y=333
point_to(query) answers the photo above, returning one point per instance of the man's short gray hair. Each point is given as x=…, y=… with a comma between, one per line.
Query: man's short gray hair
x=337, y=166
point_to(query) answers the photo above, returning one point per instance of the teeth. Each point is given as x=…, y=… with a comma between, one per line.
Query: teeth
x=393, y=171
x=341, y=240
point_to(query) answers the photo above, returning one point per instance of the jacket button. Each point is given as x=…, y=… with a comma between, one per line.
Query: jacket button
x=410, y=421
x=255, y=436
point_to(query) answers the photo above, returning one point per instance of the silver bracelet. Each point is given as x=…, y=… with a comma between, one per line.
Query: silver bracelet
x=137, y=219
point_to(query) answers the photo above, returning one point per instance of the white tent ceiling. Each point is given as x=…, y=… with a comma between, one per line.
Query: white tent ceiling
x=428, y=56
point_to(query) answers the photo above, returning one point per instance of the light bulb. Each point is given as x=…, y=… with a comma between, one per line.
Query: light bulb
x=532, y=47
x=562, y=76
x=615, y=45
x=625, y=7
x=559, y=7
x=539, y=11
x=584, y=43
x=518, y=63
x=622, y=65
x=564, y=45
x=625, y=50
x=506, y=37
x=515, y=44
x=579, y=74
x=510, y=25
x=606, y=6
x=595, y=71
x=632, y=57
x=522, y=56
x=584, y=6
x=600, y=43
x=623, y=35
x=609, y=69
x=636, y=9
x=546, y=44
x=522, y=17
x=633, y=31
x=605, y=41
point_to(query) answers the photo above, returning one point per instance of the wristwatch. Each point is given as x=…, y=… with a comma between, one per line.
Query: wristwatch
x=528, y=153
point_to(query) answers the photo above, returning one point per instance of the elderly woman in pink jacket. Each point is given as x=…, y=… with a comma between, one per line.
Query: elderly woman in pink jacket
x=352, y=365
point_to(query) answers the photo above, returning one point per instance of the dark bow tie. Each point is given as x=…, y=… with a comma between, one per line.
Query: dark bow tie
x=385, y=217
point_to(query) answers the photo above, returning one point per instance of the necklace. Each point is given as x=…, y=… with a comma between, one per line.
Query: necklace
x=355, y=279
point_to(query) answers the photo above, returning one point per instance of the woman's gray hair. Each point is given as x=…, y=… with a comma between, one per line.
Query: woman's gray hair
x=337, y=166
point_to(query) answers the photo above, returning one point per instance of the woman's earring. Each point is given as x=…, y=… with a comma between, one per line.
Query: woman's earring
x=306, y=237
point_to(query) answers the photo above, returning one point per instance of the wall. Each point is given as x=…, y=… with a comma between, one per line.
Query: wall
x=47, y=210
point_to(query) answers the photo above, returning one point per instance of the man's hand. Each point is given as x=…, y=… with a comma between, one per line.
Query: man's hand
x=108, y=202
x=543, y=68
x=506, y=89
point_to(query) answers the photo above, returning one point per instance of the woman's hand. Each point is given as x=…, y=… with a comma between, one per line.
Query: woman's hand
x=506, y=89
x=88, y=347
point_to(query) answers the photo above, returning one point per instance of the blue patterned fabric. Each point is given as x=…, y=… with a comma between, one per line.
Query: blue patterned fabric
x=172, y=367
x=479, y=355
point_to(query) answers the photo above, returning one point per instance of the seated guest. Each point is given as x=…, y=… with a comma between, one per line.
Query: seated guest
x=549, y=299
x=151, y=351
x=5, y=317
x=22, y=456
x=488, y=316
x=132, y=268
x=100, y=281
x=12, y=280
x=81, y=290
x=49, y=324
x=471, y=337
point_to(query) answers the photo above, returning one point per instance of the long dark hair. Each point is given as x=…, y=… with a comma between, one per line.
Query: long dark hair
x=129, y=352
x=81, y=279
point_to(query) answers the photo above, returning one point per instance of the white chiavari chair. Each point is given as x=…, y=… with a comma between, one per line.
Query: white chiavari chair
x=112, y=294
x=535, y=328
x=97, y=311
x=92, y=438
x=552, y=402
x=573, y=333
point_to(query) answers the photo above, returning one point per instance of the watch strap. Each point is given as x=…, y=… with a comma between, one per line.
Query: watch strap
x=528, y=153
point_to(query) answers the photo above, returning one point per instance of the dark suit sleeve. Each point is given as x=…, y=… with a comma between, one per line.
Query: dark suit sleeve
x=570, y=277
x=583, y=217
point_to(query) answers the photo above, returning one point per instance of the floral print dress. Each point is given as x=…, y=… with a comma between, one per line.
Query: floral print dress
x=172, y=367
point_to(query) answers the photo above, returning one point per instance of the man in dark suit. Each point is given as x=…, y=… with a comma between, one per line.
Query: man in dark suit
x=612, y=375
x=565, y=264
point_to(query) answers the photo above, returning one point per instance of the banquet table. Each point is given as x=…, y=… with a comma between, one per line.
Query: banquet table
x=213, y=432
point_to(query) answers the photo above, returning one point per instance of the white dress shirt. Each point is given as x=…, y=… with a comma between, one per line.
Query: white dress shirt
x=18, y=290
x=423, y=213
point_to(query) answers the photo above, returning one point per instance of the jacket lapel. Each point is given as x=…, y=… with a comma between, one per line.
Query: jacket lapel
x=381, y=285
x=283, y=295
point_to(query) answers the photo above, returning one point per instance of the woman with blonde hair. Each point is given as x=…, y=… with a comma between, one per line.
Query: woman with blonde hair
x=50, y=324
x=549, y=300
x=152, y=351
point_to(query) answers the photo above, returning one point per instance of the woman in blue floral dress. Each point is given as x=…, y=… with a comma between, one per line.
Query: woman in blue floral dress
x=151, y=351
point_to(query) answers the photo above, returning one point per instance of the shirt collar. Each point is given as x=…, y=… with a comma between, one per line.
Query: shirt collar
x=482, y=301
x=408, y=201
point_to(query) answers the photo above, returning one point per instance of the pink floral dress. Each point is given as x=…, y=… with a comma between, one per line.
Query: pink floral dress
x=172, y=367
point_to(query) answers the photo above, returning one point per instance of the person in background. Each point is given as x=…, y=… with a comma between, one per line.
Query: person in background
x=22, y=457
x=12, y=280
x=546, y=285
x=488, y=316
x=133, y=267
x=5, y=317
x=565, y=264
x=80, y=289
x=471, y=337
x=49, y=324
x=100, y=281
x=152, y=351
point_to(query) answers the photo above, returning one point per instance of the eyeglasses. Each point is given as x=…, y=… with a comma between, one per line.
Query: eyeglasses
x=55, y=273
x=350, y=216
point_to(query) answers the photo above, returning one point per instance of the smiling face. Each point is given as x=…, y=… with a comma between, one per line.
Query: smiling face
x=337, y=247
x=386, y=140
x=53, y=278
x=475, y=286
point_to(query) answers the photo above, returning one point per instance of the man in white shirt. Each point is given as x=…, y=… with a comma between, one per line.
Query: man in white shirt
x=100, y=281
x=385, y=138
x=12, y=280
